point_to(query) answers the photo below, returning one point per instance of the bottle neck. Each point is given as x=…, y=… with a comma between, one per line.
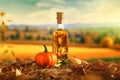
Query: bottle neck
x=60, y=26
x=60, y=20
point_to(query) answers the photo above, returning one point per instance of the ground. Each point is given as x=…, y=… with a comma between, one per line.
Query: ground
x=30, y=70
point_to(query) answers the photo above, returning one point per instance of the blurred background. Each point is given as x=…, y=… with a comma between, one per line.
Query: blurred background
x=93, y=27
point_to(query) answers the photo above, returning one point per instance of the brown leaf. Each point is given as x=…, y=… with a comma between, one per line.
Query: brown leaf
x=13, y=53
x=2, y=13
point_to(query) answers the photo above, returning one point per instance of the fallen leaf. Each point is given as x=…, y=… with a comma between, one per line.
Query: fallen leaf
x=18, y=72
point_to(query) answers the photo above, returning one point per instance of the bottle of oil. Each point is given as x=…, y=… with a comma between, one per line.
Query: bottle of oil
x=60, y=40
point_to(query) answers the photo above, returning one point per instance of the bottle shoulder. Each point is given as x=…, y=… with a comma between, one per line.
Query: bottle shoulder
x=60, y=31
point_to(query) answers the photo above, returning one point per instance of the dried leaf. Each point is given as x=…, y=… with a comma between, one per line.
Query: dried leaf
x=18, y=72
x=2, y=13
x=13, y=53
x=13, y=70
x=17, y=59
x=5, y=52
x=0, y=70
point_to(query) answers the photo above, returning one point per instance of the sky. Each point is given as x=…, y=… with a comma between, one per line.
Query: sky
x=75, y=11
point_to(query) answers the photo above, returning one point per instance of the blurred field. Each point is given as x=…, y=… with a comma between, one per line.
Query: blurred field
x=29, y=51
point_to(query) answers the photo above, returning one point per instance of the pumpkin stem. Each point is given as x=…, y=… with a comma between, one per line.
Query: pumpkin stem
x=45, y=48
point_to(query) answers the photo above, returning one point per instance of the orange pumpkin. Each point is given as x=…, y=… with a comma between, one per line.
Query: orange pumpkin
x=46, y=58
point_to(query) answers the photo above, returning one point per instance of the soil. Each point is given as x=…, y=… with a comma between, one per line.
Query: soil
x=27, y=69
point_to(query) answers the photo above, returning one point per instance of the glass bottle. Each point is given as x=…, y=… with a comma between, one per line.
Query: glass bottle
x=60, y=40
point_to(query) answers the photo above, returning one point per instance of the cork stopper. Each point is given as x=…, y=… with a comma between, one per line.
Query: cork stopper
x=59, y=17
